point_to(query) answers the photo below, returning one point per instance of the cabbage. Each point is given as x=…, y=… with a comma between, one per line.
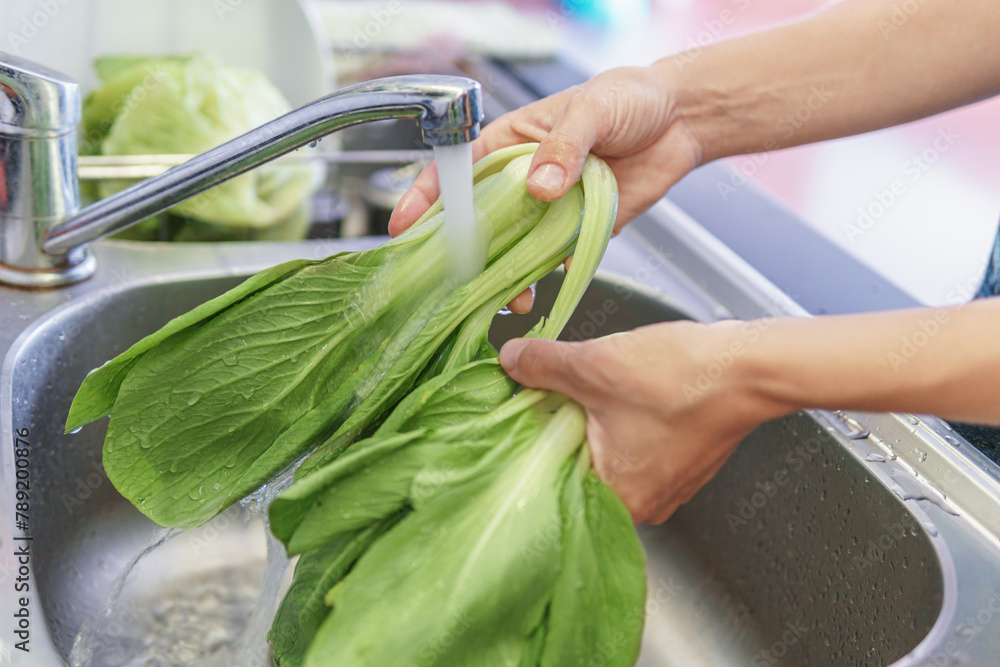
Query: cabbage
x=188, y=105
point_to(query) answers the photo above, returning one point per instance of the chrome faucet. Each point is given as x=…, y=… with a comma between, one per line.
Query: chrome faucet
x=44, y=235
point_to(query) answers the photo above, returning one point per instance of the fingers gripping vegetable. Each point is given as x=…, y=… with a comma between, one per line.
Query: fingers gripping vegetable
x=316, y=353
x=479, y=535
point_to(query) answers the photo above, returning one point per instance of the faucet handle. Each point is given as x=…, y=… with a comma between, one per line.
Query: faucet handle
x=35, y=100
x=39, y=112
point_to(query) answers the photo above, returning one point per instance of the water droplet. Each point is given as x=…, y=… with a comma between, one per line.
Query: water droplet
x=952, y=440
x=76, y=430
x=314, y=143
x=875, y=458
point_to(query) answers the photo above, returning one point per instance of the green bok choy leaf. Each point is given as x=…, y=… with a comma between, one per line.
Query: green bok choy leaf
x=461, y=537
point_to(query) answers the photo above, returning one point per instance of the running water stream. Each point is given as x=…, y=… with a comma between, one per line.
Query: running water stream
x=467, y=239
x=205, y=596
x=252, y=649
x=90, y=643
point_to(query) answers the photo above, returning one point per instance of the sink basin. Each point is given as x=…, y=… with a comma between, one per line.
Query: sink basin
x=816, y=544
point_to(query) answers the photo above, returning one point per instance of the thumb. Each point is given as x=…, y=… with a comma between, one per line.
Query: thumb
x=542, y=364
x=560, y=156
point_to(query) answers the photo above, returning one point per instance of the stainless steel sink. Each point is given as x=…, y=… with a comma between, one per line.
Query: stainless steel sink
x=827, y=539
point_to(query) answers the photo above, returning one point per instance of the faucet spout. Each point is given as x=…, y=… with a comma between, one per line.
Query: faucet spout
x=448, y=109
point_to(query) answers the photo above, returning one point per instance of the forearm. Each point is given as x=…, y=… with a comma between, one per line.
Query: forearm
x=942, y=361
x=857, y=66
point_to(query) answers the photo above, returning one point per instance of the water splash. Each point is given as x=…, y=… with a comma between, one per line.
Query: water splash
x=90, y=639
x=212, y=616
x=252, y=649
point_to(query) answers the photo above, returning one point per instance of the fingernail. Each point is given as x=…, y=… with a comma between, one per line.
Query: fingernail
x=511, y=352
x=549, y=177
x=404, y=202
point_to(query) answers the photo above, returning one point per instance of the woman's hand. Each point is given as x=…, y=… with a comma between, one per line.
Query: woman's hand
x=626, y=116
x=666, y=404
x=659, y=426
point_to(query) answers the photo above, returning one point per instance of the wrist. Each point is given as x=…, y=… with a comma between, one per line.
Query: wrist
x=755, y=375
x=709, y=104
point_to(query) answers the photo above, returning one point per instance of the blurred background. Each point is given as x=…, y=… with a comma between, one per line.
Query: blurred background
x=931, y=236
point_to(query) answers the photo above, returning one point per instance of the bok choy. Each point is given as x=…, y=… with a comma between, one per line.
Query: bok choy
x=312, y=355
x=469, y=530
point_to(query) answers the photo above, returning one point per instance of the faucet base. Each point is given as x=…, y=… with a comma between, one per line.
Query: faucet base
x=79, y=266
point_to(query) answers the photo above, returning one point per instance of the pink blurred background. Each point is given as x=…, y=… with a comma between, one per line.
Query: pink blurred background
x=933, y=239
